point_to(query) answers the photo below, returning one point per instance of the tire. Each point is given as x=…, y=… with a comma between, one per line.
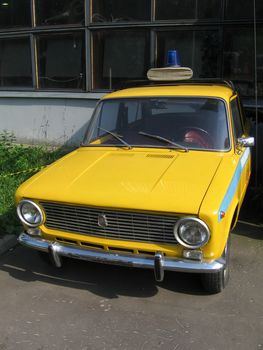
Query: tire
x=215, y=282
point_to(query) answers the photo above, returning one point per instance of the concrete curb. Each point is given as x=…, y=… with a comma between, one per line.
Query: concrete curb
x=7, y=242
x=259, y=226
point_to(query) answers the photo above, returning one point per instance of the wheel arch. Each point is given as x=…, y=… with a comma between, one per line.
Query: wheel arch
x=235, y=217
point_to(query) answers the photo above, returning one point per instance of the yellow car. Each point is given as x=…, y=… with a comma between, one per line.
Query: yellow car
x=157, y=183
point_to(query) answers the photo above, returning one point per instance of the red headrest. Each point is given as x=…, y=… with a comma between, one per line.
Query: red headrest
x=195, y=136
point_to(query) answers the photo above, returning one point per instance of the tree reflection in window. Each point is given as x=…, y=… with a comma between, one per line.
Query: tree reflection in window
x=199, y=49
x=50, y=12
x=121, y=11
x=190, y=9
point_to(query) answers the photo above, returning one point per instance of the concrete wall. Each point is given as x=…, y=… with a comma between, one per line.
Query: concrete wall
x=46, y=118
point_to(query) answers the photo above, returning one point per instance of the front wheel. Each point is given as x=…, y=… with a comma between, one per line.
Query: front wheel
x=216, y=282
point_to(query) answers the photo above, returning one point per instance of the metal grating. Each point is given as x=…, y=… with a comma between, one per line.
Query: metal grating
x=159, y=156
x=123, y=225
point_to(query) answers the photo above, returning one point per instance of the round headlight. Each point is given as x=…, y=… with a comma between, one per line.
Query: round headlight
x=30, y=213
x=191, y=232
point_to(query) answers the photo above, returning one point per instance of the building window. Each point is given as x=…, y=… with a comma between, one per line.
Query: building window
x=15, y=63
x=61, y=61
x=59, y=12
x=191, y=9
x=121, y=11
x=209, y=9
x=242, y=10
x=198, y=49
x=14, y=13
x=259, y=9
x=238, y=61
x=260, y=60
x=119, y=56
x=122, y=39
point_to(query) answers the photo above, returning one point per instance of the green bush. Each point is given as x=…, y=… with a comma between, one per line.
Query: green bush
x=18, y=163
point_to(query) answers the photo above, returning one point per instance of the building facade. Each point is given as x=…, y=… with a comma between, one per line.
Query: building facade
x=58, y=57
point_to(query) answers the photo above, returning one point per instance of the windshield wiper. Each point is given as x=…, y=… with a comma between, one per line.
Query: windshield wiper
x=118, y=137
x=160, y=138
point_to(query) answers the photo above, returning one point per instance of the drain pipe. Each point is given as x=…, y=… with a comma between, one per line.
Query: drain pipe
x=256, y=92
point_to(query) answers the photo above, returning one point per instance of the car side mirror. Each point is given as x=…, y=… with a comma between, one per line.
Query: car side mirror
x=246, y=141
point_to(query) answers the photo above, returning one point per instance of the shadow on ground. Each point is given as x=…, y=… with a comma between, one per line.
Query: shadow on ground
x=249, y=230
x=252, y=207
x=104, y=280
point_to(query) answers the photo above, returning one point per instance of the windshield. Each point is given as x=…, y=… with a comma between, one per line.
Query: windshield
x=181, y=122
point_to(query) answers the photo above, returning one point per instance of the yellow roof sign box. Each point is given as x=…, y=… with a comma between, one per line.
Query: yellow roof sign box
x=169, y=74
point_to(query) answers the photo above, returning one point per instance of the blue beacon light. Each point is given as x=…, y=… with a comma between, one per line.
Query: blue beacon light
x=173, y=59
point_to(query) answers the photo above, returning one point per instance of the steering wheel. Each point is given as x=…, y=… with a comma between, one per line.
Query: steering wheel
x=197, y=136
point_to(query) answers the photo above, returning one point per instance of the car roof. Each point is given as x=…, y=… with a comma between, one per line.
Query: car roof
x=182, y=90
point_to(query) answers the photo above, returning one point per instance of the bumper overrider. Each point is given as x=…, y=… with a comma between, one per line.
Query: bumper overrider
x=159, y=263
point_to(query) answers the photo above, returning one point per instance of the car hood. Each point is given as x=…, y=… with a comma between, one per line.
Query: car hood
x=158, y=180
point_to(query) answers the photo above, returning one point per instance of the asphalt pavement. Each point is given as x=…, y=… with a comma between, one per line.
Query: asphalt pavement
x=93, y=307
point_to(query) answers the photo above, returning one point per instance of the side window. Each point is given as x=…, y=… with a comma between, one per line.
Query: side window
x=237, y=118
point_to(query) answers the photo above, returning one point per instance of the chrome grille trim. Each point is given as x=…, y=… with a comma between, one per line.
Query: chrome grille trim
x=123, y=225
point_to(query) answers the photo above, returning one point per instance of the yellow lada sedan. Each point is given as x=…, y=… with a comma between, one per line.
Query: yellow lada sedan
x=157, y=183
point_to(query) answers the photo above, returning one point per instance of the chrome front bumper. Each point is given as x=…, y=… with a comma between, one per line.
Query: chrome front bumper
x=158, y=263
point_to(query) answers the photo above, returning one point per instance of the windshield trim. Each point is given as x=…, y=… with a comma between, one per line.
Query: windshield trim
x=133, y=148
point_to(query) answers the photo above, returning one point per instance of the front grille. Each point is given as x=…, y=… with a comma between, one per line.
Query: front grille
x=123, y=225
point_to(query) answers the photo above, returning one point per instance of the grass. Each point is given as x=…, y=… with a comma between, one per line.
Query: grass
x=18, y=163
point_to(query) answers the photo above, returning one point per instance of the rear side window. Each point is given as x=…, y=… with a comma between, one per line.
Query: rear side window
x=237, y=118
